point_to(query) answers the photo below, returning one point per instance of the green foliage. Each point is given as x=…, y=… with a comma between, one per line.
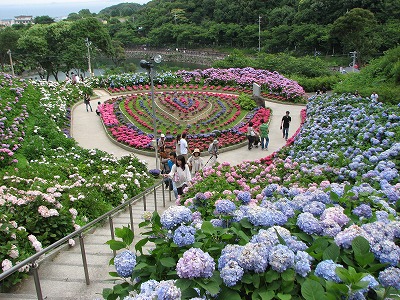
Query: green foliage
x=382, y=75
x=246, y=102
x=314, y=84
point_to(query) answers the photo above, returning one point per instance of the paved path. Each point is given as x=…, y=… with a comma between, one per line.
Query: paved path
x=89, y=133
x=62, y=277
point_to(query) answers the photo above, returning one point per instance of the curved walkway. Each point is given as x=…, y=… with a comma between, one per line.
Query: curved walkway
x=88, y=131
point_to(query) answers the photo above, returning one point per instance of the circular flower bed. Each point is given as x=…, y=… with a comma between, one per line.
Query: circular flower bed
x=203, y=115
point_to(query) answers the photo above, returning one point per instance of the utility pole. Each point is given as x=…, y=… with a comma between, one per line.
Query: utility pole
x=11, y=62
x=354, y=56
x=259, y=33
x=88, y=44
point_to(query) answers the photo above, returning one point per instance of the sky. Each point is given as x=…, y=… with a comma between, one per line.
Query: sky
x=54, y=8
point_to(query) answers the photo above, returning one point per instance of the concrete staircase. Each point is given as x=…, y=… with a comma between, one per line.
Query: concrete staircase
x=62, y=274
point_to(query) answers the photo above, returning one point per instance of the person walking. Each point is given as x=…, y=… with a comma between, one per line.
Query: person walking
x=184, y=146
x=251, y=134
x=264, y=131
x=285, y=125
x=195, y=162
x=213, y=150
x=167, y=167
x=180, y=174
x=86, y=100
x=178, y=145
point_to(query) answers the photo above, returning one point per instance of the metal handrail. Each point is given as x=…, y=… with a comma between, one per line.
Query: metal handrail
x=34, y=258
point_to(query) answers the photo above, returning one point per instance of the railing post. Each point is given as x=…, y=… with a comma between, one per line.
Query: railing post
x=112, y=232
x=155, y=198
x=85, y=266
x=131, y=217
x=163, y=195
x=144, y=202
x=37, y=281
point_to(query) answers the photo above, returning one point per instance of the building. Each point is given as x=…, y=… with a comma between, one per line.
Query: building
x=23, y=20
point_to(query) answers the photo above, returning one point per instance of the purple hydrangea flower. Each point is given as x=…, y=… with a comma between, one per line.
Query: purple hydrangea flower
x=326, y=269
x=390, y=277
x=184, y=236
x=195, y=264
x=124, y=263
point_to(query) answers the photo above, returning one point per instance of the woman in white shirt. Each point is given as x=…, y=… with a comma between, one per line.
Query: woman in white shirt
x=180, y=174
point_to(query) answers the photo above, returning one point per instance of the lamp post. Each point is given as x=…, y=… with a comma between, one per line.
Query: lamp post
x=88, y=44
x=11, y=62
x=149, y=67
x=259, y=33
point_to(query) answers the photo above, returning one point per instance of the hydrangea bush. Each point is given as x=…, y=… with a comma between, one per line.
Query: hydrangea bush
x=49, y=186
x=317, y=220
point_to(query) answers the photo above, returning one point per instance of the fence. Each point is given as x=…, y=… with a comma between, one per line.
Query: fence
x=35, y=259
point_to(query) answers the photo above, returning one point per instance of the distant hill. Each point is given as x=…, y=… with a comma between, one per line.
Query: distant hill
x=121, y=10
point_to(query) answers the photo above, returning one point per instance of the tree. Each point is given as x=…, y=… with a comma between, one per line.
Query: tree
x=8, y=41
x=356, y=30
x=43, y=20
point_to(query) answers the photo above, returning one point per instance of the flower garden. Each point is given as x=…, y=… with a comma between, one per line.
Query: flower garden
x=201, y=103
x=49, y=186
x=317, y=220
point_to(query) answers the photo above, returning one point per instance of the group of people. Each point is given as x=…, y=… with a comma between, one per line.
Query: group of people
x=177, y=167
x=374, y=96
x=262, y=137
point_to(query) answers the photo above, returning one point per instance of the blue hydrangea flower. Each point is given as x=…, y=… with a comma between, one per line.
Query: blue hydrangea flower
x=124, y=263
x=166, y=290
x=270, y=189
x=147, y=288
x=303, y=263
x=315, y=207
x=217, y=223
x=230, y=252
x=254, y=257
x=175, y=215
x=261, y=216
x=390, y=277
x=231, y=273
x=195, y=264
x=224, y=206
x=281, y=258
x=387, y=252
x=326, y=269
x=363, y=210
x=244, y=197
x=184, y=236
x=308, y=223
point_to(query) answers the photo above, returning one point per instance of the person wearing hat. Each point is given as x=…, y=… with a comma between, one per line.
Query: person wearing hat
x=161, y=144
x=195, y=162
x=213, y=150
